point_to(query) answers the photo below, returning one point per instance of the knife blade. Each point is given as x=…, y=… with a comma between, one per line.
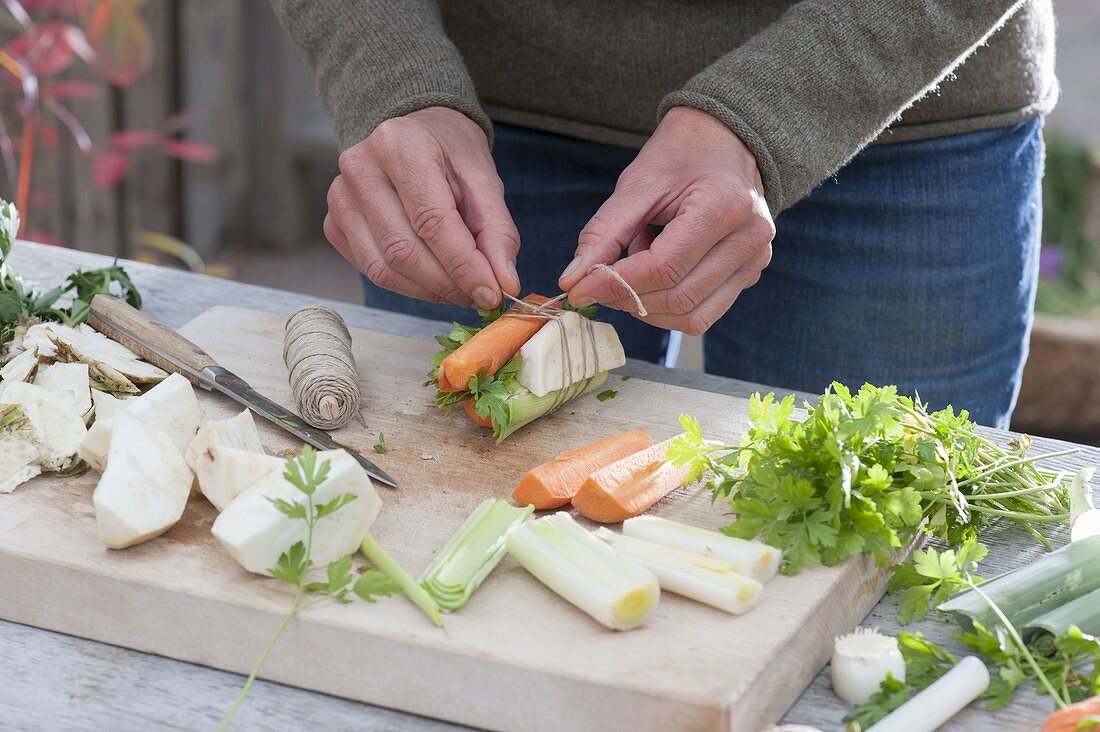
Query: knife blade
x=164, y=347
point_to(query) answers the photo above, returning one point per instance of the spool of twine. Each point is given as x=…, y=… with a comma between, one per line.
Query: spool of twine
x=323, y=380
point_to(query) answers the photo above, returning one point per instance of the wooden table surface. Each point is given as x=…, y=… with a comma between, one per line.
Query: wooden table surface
x=54, y=681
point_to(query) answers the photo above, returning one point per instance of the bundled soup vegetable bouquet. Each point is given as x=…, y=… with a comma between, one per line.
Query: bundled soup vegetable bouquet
x=523, y=363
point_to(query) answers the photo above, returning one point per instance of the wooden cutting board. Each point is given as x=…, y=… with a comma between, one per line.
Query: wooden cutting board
x=517, y=657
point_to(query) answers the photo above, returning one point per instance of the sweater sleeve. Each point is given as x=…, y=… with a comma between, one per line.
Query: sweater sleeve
x=811, y=90
x=376, y=59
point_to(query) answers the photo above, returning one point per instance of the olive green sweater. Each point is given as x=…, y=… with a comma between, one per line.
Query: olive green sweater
x=804, y=84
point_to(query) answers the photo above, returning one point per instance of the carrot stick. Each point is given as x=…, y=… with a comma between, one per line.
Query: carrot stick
x=489, y=349
x=554, y=483
x=471, y=412
x=630, y=486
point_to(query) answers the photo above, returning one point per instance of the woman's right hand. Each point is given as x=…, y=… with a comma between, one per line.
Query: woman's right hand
x=419, y=209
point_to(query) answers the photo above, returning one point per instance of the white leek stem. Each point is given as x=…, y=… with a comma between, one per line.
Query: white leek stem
x=709, y=581
x=1084, y=519
x=941, y=701
x=750, y=558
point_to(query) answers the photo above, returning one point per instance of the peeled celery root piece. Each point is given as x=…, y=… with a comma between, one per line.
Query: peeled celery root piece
x=70, y=377
x=229, y=471
x=550, y=363
x=21, y=448
x=20, y=368
x=255, y=533
x=237, y=432
x=144, y=489
x=54, y=415
x=171, y=405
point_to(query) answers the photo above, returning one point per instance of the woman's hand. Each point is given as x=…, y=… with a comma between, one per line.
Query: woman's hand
x=697, y=179
x=419, y=209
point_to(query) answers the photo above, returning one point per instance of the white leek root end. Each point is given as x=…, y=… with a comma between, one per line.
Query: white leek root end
x=861, y=660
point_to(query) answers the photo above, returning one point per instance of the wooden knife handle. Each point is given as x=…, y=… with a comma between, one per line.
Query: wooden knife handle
x=154, y=341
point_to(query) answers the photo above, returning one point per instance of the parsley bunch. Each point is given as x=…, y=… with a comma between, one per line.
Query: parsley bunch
x=294, y=565
x=863, y=473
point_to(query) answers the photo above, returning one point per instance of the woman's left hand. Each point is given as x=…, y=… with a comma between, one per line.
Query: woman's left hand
x=697, y=179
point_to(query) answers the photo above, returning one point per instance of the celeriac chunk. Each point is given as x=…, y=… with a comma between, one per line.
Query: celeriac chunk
x=231, y=471
x=551, y=362
x=145, y=487
x=255, y=533
x=171, y=405
x=20, y=448
x=239, y=433
x=70, y=377
x=54, y=414
x=21, y=367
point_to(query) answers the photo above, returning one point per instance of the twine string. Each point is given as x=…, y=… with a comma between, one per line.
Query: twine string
x=317, y=352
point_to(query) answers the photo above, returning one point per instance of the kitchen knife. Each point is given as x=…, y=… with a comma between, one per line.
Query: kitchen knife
x=164, y=347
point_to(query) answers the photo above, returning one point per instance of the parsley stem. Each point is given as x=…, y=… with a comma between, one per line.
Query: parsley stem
x=1011, y=630
x=294, y=607
x=1015, y=463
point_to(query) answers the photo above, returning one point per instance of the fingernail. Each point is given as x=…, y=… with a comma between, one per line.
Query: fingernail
x=514, y=275
x=581, y=301
x=485, y=297
x=572, y=268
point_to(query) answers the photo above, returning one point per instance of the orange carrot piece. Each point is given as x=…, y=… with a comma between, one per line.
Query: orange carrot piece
x=1069, y=719
x=630, y=486
x=471, y=412
x=554, y=483
x=489, y=349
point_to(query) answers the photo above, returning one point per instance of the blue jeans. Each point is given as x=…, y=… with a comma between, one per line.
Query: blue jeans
x=915, y=265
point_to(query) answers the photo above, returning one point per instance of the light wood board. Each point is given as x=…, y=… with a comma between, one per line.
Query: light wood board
x=517, y=657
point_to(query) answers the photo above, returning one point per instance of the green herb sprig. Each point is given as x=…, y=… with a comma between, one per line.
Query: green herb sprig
x=380, y=446
x=294, y=565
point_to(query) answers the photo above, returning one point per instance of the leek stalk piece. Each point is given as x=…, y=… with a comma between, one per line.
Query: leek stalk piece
x=1084, y=519
x=1026, y=593
x=1084, y=612
x=472, y=553
x=751, y=558
x=522, y=407
x=615, y=591
x=941, y=701
x=386, y=564
x=703, y=579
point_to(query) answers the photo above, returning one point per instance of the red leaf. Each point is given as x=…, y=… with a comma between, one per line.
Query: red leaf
x=110, y=168
x=71, y=90
x=189, y=150
x=121, y=40
x=45, y=50
x=132, y=139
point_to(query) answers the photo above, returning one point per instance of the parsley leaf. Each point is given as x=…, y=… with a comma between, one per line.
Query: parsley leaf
x=380, y=446
x=606, y=394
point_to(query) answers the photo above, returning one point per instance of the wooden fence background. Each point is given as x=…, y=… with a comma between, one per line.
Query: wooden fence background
x=231, y=63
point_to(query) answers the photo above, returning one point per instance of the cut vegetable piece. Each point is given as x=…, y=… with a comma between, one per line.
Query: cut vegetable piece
x=237, y=432
x=70, y=377
x=230, y=471
x=568, y=350
x=1027, y=592
x=489, y=349
x=1074, y=718
x=554, y=483
x=144, y=490
x=105, y=405
x=386, y=564
x=941, y=701
x=102, y=375
x=1084, y=519
x=102, y=354
x=614, y=591
x=21, y=448
x=170, y=405
x=255, y=533
x=703, y=579
x=752, y=558
x=53, y=413
x=630, y=486
x=472, y=553
x=521, y=407
x=22, y=367
x=471, y=412
x=861, y=661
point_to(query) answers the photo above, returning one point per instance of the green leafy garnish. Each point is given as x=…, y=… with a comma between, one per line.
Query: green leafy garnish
x=863, y=473
x=488, y=316
x=380, y=446
x=606, y=394
x=588, y=311
x=294, y=565
x=932, y=577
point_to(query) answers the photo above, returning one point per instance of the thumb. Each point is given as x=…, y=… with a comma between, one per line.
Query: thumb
x=611, y=230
